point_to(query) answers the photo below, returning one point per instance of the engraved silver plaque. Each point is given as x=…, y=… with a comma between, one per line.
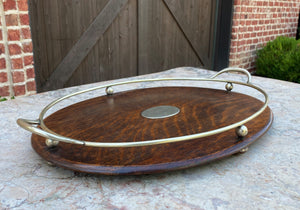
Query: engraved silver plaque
x=159, y=112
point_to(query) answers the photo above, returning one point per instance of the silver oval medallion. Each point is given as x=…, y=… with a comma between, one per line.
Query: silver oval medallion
x=159, y=112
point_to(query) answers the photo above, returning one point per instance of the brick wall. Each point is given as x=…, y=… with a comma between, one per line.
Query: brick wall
x=16, y=57
x=257, y=22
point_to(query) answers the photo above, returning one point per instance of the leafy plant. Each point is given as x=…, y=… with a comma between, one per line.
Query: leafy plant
x=2, y=99
x=5, y=99
x=280, y=59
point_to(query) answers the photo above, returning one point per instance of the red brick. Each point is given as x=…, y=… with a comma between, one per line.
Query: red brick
x=246, y=36
x=237, y=9
x=9, y=5
x=14, y=49
x=251, y=16
x=233, y=50
x=231, y=56
x=31, y=86
x=28, y=60
x=13, y=35
x=4, y=91
x=18, y=76
x=24, y=19
x=3, y=77
x=242, y=42
x=22, y=5
x=234, y=30
x=2, y=49
x=236, y=16
x=235, y=22
x=11, y=20
x=233, y=36
x=2, y=63
x=246, y=66
x=30, y=73
x=17, y=63
x=237, y=62
x=237, y=2
x=1, y=37
x=243, y=29
x=26, y=33
x=234, y=43
x=256, y=16
x=19, y=90
x=27, y=47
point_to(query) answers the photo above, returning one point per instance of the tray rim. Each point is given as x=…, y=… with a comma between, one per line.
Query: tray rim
x=150, y=168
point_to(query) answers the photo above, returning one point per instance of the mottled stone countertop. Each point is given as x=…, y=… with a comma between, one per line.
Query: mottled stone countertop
x=265, y=177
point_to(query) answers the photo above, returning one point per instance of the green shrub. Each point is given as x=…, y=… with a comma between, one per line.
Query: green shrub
x=2, y=99
x=280, y=59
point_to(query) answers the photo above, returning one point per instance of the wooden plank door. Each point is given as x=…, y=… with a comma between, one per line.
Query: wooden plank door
x=83, y=41
x=175, y=33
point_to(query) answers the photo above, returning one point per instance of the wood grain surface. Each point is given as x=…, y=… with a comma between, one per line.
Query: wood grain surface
x=117, y=118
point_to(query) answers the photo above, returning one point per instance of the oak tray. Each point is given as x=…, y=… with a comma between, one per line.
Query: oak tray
x=150, y=130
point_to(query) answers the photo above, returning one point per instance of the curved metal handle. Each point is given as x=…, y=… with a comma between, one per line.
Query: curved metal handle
x=234, y=69
x=28, y=125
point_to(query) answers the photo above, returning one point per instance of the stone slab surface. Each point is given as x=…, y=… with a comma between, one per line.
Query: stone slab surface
x=265, y=177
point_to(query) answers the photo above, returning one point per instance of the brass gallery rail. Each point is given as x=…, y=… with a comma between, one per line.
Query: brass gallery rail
x=52, y=138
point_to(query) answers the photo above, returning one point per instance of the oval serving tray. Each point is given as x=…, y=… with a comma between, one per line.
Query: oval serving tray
x=150, y=130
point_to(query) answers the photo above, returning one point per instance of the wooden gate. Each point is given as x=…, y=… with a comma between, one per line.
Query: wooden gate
x=83, y=41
